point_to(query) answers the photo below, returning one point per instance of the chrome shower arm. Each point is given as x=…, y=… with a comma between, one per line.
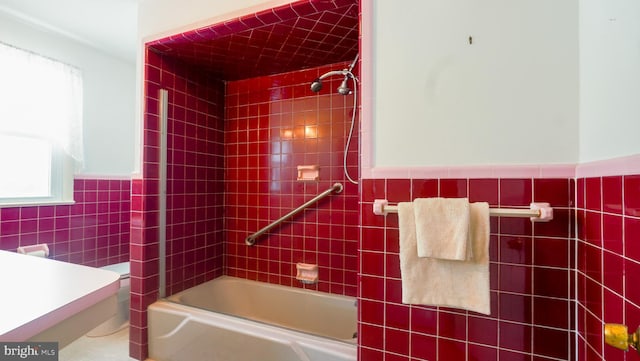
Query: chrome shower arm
x=332, y=73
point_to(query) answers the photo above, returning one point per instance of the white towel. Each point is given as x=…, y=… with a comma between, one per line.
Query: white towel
x=432, y=281
x=442, y=228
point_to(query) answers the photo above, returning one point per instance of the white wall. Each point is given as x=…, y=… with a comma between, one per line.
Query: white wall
x=109, y=95
x=158, y=18
x=609, y=79
x=510, y=97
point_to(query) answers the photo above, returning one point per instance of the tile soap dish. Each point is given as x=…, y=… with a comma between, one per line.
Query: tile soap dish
x=307, y=273
x=308, y=172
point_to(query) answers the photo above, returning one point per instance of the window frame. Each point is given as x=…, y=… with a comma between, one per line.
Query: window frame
x=61, y=187
x=63, y=165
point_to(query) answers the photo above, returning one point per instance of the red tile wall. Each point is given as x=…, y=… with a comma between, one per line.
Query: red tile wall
x=93, y=232
x=531, y=278
x=300, y=35
x=194, y=247
x=274, y=124
x=608, y=210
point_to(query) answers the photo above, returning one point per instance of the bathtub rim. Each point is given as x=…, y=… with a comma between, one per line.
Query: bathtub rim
x=175, y=298
x=295, y=289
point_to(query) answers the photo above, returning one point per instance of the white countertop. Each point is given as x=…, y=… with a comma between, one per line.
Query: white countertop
x=38, y=293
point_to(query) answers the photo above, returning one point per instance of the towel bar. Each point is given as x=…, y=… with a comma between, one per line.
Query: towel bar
x=537, y=212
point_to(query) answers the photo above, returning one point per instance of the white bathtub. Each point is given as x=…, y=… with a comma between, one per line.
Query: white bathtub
x=232, y=319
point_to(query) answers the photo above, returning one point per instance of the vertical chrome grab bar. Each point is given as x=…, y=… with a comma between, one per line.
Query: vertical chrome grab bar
x=251, y=240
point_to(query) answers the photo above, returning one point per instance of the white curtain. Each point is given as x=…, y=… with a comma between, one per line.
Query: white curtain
x=41, y=98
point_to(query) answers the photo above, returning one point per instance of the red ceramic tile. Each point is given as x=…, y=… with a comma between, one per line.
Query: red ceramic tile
x=612, y=233
x=551, y=252
x=452, y=326
x=483, y=330
x=373, y=263
x=371, y=312
x=370, y=354
x=593, y=228
x=551, y=282
x=632, y=195
x=593, y=297
x=424, y=188
x=371, y=336
x=515, y=337
x=559, y=226
x=632, y=293
x=551, y=343
x=451, y=350
x=613, y=271
x=372, y=288
x=553, y=191
x=392, y=237
x=484, y=190
x=453, y=188
x=612, y=195
x=613, y=307
x=515, y=192
x=593, y=332
x=515, y=249
x=631, y=237
x=372, y=239
x=515, y=226
x=593, y=194
x=515, y=279
x=392, y=265
x=479, y=353
x=551, y=312
x=515, y=307
x=393, y=291
x=396, y=341
x=424, y=320
x=513, y=356
x=398, y=190
x=423, y=346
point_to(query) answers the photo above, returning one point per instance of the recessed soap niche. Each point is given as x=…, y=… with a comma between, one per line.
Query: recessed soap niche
x=308, y=172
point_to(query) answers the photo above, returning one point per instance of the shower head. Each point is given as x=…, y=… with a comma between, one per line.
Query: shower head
x=344, y=88
x=316, y=85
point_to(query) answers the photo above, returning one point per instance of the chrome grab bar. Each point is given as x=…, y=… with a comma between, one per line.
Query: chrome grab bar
x=251, y=240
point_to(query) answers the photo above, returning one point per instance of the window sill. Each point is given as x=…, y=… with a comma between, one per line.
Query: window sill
x=37, y=203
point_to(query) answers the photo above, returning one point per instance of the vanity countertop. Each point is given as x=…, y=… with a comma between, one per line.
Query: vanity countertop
x=39, y=293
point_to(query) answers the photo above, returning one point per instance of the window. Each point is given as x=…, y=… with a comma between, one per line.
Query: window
x=40, y=128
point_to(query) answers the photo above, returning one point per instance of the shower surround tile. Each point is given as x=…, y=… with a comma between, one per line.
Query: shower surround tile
x=273, y=125
x=204, y=236
x=304, y=34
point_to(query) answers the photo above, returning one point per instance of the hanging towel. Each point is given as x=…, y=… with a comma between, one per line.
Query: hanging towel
x=442, y=227
x=432, y=281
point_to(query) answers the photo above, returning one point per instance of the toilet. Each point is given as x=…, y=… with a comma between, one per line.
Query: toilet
x=121, y=319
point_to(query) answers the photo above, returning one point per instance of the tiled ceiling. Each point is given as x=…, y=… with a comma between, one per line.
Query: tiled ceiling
x=297, y=36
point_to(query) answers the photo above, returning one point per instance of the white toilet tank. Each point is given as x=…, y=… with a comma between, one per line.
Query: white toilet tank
x=121, y=319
